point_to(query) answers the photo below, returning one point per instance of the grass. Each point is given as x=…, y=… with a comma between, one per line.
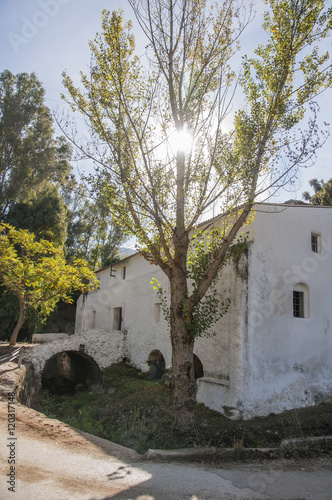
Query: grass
x=136, y=412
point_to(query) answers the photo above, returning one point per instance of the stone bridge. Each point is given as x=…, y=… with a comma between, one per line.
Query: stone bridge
x=76, y=360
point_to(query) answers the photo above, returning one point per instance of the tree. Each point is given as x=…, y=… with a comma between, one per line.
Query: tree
x=322, y=192
x=30, y=156
x=44, y=215
x=93, y=234
x=160, y=192
x=8, y=313
x=37, y=274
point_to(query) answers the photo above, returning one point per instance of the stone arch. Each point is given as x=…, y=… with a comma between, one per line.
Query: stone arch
x=156, y=362
x=68, y=371
x=198, y=368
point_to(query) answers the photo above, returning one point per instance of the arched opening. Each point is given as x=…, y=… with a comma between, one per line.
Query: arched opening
x=198, y=368
x=156, y=364
x=69, y=371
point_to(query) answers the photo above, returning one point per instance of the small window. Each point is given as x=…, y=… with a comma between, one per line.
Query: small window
x=301, y=301
x=157, y=312
x=315, y=242
x=124, y=269
x=298, y=304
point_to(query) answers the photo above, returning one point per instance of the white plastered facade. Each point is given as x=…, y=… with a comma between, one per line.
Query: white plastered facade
x=261, y=359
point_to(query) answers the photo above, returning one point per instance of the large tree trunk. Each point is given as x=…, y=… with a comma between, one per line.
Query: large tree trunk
x=19, y=323
x=183, y=380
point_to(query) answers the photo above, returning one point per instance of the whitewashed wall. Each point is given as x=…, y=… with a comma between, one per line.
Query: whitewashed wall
x=261, y=359
x=219, y=354
x=136, y=297
x=289, y=361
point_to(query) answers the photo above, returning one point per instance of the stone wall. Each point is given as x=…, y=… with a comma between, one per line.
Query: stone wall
x=40, y=338
x=28, y=385
x=105, y=347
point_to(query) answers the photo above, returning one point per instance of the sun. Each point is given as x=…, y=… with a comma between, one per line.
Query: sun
x=181, y=141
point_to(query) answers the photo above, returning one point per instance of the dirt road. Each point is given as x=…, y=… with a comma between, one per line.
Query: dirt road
x=46, y=459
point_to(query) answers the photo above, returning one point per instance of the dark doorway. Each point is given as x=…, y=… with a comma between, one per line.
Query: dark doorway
x=156, y=364
x=198, y=368
x=117, y=318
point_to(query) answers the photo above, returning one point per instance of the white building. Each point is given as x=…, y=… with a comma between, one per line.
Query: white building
x=273, y=349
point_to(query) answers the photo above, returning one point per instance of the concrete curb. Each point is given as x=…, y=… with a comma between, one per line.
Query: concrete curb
x=204, y=452
x=285, y=445
x=181, y=452
x=303, y=442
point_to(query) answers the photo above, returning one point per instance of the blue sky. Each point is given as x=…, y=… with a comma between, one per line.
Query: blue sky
x=48, y=36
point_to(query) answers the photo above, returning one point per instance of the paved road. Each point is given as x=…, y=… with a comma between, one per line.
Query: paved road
x=55, y=462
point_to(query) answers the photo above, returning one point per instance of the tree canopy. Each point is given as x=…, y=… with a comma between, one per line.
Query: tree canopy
x=30, y=155
x=37, y=274
x=44, y=215
x=92, y=233
x=160, y=190
x=322, y=192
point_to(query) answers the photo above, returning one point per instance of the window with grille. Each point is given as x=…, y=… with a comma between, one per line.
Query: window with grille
x=301, y=301
x=315, y=242
x=298, y=304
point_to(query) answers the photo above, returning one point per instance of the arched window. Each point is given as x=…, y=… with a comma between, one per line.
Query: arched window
x=301, y=302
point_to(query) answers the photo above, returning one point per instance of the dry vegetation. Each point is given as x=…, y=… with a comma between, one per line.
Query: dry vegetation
x=136, y=412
